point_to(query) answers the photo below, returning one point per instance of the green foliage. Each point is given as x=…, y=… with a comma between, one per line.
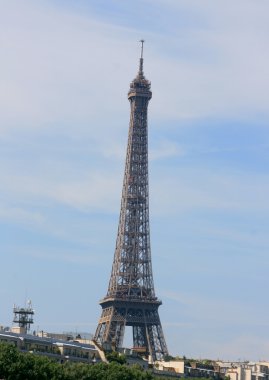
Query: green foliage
x=168, y=358
x=8, y=356
x=116, y=357
x=15, y=365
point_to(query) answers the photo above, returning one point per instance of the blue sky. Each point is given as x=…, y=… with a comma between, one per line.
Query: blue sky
x=65, y=69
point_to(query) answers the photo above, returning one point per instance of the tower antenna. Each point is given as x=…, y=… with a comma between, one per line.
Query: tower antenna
x=140, y=72
x=142, y=47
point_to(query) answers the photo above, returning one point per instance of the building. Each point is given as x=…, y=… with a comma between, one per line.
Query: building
x=61, y=350
x=173, y=366
x=245, y=370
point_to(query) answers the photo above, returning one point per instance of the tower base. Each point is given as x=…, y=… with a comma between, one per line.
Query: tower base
x=142, y=315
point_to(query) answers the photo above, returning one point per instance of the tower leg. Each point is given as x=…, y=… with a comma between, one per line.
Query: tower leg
x=139, y=336
x=111, y=327
x=157, y=342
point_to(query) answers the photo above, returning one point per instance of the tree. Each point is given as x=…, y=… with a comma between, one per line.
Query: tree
x=15, y=365
x=116, y=357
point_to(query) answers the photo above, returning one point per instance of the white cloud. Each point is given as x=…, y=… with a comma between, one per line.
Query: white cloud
x=194, y=189
x=67, y=256
x=166, y=149
x=101, y=189
x=94, y=192
x=75, y=71
x=56, y=74
x=20, y=215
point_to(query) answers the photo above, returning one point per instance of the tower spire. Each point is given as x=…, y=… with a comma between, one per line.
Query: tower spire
x=141, y=73
x=142, y=45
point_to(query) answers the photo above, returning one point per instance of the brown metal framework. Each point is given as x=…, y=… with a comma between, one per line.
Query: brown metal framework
x=130, y=299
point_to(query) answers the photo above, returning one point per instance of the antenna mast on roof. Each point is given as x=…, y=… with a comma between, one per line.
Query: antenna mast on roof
x=23, y=316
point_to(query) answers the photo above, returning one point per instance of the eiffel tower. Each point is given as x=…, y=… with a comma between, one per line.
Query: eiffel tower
x=131, y=299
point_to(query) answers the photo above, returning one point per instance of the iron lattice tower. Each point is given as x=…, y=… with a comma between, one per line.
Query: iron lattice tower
x=130, y=299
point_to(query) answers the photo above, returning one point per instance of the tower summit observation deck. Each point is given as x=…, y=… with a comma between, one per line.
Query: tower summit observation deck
x=130, y=298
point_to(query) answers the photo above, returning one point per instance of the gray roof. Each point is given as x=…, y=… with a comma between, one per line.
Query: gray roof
x=34, y=338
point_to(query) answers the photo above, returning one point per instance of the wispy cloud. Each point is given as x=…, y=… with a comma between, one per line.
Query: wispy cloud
x=67, y=256
x=85, y=194
x=202, y=189
x=78, y=57
x=166, y=149
x=20, y=215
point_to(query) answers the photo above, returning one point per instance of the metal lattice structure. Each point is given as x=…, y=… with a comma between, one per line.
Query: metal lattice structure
x=130, y=299
x=23, y=316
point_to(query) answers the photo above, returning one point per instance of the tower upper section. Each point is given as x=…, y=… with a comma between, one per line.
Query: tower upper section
x=140, y=86
x=131, y=274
